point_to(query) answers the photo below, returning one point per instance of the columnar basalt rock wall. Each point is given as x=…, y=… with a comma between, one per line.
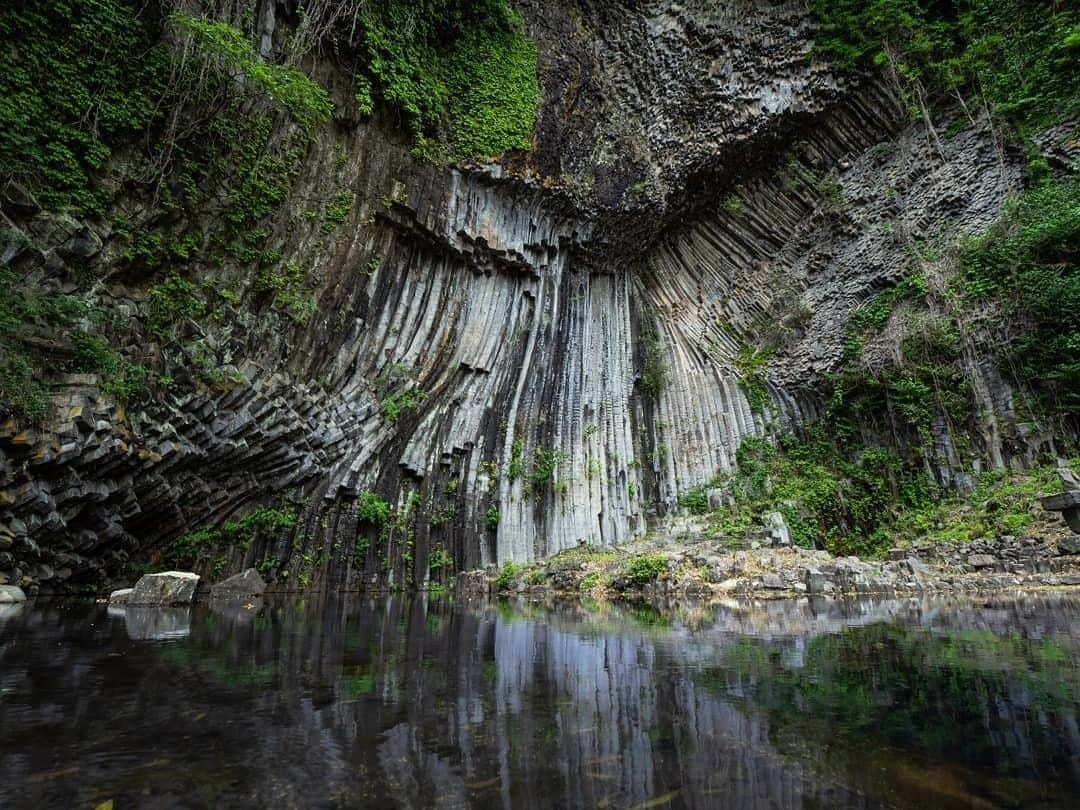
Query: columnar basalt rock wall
x=516, y=298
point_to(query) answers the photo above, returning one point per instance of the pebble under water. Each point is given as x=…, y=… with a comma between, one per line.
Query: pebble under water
x=427, y=703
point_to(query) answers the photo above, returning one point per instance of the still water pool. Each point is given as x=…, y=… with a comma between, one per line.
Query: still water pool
x=424, y=703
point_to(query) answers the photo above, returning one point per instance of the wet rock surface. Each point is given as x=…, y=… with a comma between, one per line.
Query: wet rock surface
x=9, y=594
x=239, y=586
x=165, y=589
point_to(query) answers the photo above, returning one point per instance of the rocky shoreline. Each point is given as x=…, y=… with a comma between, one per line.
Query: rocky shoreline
x=704, y=569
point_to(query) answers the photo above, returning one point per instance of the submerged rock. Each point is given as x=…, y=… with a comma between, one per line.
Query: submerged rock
x=157, y=624
x=246, y=583
x=10, y=594
x=166, y=588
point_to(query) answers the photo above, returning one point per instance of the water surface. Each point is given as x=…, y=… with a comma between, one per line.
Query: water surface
x=398, y=703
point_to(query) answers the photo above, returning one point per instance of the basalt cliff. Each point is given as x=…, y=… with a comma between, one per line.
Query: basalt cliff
x=435, y=365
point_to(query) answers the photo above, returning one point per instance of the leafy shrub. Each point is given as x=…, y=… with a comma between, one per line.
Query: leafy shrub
x=696, y=500
x=507, y=573
x=440, y=559
x=372, y=508
x=645, y=568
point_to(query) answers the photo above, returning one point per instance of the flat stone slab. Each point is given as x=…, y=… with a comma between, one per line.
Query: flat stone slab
x=1061, y=501
x=9, y=594
x=238, y=586
x=166, y=588
x=1069, y=545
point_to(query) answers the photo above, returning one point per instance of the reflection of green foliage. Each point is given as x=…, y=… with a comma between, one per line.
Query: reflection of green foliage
x=648, y=617
x=223, y=670
x=357, y=685
x=936, y=691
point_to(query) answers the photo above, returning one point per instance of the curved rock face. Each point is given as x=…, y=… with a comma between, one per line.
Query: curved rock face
x=673, y=209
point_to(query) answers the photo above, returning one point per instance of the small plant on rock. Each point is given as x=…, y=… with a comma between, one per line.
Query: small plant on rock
x=645, y=568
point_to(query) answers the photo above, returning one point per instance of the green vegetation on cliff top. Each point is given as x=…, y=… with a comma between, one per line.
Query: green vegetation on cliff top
x=461, y=74
x=1016, y=58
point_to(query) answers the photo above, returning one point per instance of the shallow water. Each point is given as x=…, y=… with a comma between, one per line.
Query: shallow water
x=423, y=703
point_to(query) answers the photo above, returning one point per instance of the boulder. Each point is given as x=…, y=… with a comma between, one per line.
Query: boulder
x=1069, y=545
x=981, y=561
x=815, y=581
x=166, y=588
x=9, y=594
x=120, y=597
x=772, y=582
x=776, y=529
x=239, y=586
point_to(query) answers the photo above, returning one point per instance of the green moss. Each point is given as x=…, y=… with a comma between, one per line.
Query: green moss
x=695, y=500
x=491, y=518
x=21, y=394
x=397, y=391
x=546, y=463
x=172, y=300
x=1029, y=263
x=287, y=287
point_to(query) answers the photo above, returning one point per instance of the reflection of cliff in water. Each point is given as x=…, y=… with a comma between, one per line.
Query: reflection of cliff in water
x=421, y=704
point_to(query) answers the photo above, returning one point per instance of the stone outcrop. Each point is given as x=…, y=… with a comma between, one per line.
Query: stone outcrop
x=163, y=590
x=704, y=569
x=239, y=586
x=1068, y=501
x=661, y=211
